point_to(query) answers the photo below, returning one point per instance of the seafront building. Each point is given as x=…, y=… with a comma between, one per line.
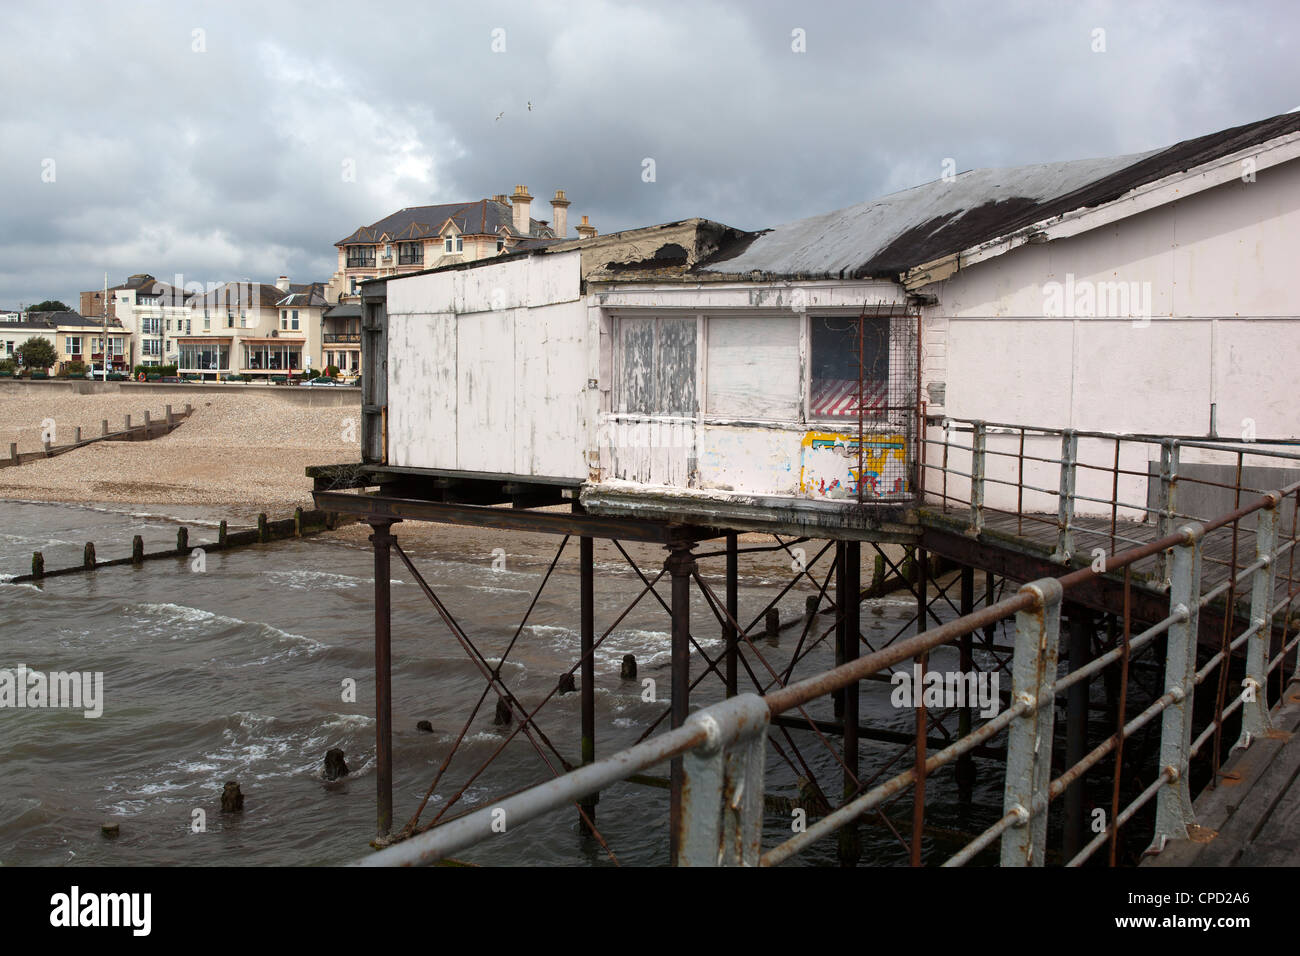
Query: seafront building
x=758, y=359
x=1014, y=373
x=76, y=338
x=261, y=332
x=428, y=237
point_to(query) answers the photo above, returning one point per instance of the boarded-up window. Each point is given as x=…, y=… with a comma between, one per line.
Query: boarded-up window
x=753, y=368
x=657, y=367
x=836, y=366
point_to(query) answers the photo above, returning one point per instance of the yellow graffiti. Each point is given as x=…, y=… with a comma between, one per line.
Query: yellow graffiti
x=875, y=453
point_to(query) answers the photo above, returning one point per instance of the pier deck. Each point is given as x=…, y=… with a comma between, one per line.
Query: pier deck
x=1252, y=818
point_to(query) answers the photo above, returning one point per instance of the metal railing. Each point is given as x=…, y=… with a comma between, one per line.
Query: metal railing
x=724, y=746
x=1067, y=482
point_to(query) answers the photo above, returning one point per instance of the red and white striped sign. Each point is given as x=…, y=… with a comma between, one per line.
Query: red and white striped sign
x=838, y=397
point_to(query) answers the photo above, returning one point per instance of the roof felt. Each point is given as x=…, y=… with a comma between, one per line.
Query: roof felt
x=888, y=236
x=484, y=217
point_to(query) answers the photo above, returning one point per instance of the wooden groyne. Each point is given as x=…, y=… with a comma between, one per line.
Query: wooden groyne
x=149, y=429
x=302, y=524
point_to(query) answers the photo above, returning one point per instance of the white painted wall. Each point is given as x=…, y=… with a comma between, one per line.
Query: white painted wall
x=488, y=369
x=1224, y=327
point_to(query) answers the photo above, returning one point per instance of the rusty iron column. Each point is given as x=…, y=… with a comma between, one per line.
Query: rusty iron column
x=1076, y=729
x=850, y=849
x=588, y=667
x=729, y=632
x=841, y=611
x=680, y=565
x=918, y=788
x=966, y=763
x=383, y=540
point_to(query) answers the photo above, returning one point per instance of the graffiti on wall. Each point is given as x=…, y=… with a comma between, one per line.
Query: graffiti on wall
x=829, y=465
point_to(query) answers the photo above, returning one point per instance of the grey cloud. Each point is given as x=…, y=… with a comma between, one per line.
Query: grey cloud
x=228, y=163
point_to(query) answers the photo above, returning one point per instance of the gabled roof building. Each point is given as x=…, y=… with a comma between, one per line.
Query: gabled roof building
x=424, y=237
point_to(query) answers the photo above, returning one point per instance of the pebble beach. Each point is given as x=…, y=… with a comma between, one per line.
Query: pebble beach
x=247, y=450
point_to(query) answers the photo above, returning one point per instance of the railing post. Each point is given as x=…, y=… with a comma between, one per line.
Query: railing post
x=1029, y=741
x=1065, y=502
x=978, y=461
x=1255, y=720
x=1174, y=801
x=722, y=790
x=1165, y=504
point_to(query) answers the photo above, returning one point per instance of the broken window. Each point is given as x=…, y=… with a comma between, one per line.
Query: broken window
x=657, y=367
x=836, y=365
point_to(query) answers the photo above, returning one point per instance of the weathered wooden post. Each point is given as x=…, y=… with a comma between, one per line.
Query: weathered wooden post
x=772, y=624
x=221, y=534
x=38, y=565
x=77, y=435
x=263, y=533
x=103, y=427
x=169, y=415
x=13, y=453
x=183, y=539
x=146, y=423
x=297, y=522
x=137, y=550
x=88, y=555
x=128, y=422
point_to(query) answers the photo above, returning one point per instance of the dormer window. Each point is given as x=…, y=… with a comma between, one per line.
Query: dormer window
x=454, y=244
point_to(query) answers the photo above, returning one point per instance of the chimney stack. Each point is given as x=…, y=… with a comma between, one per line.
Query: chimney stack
x=282, y=283
x=502, y=198
x=586, y=230
x=522, y=201
x=560, y=206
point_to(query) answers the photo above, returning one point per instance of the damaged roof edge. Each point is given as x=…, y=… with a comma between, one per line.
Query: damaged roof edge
x=905, y=235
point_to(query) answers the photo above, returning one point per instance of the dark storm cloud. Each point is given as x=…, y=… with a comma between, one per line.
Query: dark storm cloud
x=225, y=153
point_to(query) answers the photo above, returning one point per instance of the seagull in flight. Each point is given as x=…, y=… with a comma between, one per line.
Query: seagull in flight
x=530, y=106
x=499, y=115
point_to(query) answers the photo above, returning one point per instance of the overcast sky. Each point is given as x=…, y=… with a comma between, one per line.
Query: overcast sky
x=215, y=140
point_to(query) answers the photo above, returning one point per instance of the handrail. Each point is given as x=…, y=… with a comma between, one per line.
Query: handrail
x=723, y=745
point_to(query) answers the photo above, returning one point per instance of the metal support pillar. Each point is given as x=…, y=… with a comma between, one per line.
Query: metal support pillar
x=918, y=788
x=729, y=632
x=1029, y=738
x=966, y=763
x=1174, y=801
x=722, y=822
x=841, y=605
x=588, y=667
x=850, y=850
x=1076, y=729
x=1065, y=496
x=1166, y=503
x=1255, y=719
x=383, y=540
x=681, y=566
x=978, y=464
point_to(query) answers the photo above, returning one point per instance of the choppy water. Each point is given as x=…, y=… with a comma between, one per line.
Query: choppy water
x=237, y=673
